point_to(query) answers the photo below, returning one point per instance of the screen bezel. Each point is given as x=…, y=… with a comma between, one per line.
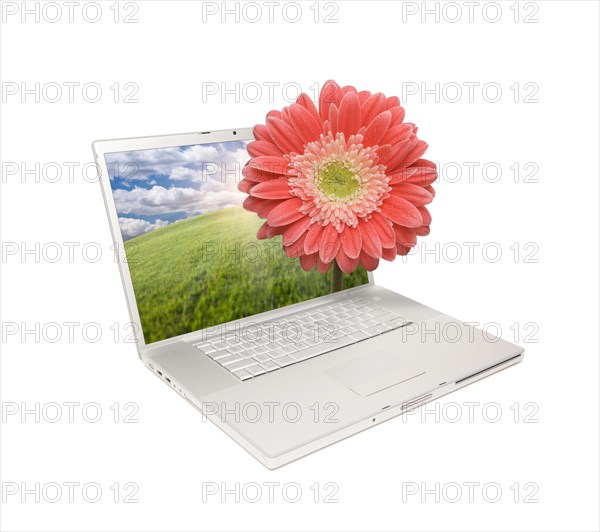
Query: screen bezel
x=103, y=147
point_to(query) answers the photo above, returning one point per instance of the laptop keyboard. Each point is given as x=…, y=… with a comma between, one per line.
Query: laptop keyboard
x=261, y=348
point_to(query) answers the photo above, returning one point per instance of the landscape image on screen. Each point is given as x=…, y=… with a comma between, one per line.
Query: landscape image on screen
x=191, y=247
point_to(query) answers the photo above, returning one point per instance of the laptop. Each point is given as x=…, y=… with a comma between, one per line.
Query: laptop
x=261, y=347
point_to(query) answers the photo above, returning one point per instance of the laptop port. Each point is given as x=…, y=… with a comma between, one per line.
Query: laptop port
x=168, y=380
x=159, y=372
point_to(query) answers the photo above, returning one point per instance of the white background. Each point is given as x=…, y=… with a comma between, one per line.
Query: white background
x=552, y=297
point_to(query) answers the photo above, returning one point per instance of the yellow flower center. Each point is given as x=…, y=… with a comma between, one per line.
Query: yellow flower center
x=337, y=180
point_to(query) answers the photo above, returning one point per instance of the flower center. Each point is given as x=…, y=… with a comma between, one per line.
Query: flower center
x=337, y=180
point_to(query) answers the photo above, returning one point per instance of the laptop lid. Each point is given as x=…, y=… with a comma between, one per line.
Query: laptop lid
x=186, y=247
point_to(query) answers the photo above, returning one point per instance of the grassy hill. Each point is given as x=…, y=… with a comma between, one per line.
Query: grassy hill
x=211, y=269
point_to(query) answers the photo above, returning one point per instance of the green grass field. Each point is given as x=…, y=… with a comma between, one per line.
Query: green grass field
x=211, y=269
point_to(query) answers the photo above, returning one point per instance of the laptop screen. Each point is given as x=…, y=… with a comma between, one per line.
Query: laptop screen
x=191, y=247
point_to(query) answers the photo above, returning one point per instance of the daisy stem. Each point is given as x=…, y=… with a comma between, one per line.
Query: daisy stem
x=337, y=278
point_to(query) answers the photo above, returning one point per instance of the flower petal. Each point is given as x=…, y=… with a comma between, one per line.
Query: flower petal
x=384, y=230
x=245, y=185
x=371, y=242
x=263, y=147
x=402, y=175
x=261, y=132
x=392, y=101
x=308, y=262
x=383, y=151
x=333, y=118
x=424, y=175
x=262, y=232
x=374, y=105
x=367, y=262
x=377, y=129
x=260, y=206
x=330, y=243
x=397, y=134
x=403, y=250
x=295, y=249
x=346, y=264
x=256, y=175
x=363, y=96
x=294, y=231
x=405, y=236
x=313, y=238
x=304, y=123
x=414, y=193
x=330, y=93
x=270, y=164
x=349, y=118
x=305, y=101
x=400, y=211
x=398, y=114
x=323, y=267
x=389, y=253
x=351, y=241
x=286, y=212
x=398, y=154
x=425, y=215
x=274, y=231
x=416, y=153
x=284, y=136
x=423, y=230
x=274, y=189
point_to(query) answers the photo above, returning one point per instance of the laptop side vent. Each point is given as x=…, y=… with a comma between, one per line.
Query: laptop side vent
x=415, y=403
x=504, y=362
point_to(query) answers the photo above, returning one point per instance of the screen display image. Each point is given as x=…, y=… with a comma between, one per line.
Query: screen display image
x=191, y=247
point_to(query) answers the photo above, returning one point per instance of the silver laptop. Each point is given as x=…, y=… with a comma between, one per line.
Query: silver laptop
x=261, y=347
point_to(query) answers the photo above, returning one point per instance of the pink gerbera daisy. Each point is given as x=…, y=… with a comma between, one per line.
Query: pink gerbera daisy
x=343, y=183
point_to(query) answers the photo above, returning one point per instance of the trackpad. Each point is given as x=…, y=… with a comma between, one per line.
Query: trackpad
x=372, y=373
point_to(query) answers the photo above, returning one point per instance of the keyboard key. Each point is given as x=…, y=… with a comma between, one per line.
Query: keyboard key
x=220, y=345
x=271, y=346
x=205, y=348
x=287, y=349
x=262, y=358
x=256, y=370
x=242, y=364
x=397, y=322
x=225, y=361
x=216, y=355
x=269, y=366
x=242, y=374
x=300, y=345
x=284, y=361
x=235, y=348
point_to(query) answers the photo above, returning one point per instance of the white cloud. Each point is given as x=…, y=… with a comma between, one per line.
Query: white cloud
x=131, y=227
x=160, y=200
x=139, y=165
x=181, y=173
x=195, y=184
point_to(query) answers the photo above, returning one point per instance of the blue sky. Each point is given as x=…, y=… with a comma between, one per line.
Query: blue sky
x=156, y=187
